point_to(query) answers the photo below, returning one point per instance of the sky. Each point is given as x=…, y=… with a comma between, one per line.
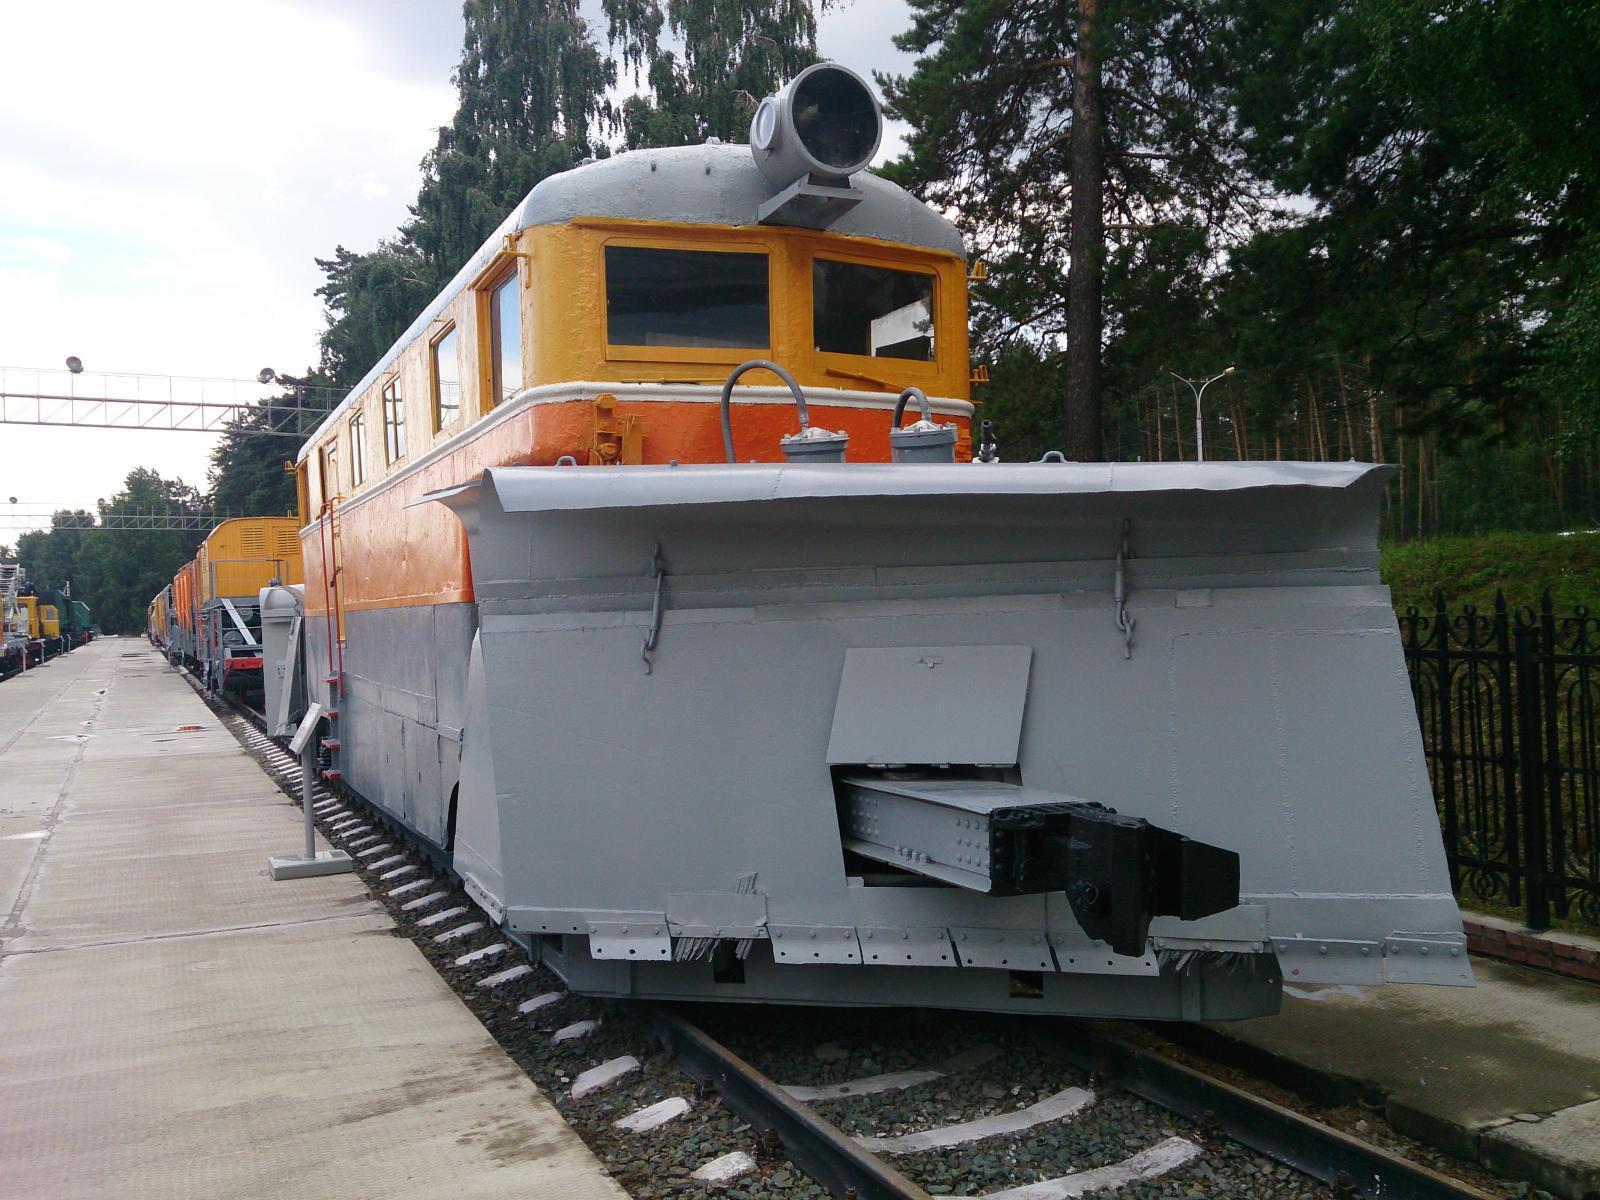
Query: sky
x=170, y=171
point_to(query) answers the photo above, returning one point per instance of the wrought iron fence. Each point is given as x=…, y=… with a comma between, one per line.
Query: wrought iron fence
x=1509, y=703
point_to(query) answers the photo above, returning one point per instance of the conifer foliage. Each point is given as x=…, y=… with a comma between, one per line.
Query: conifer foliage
x=1056, y=134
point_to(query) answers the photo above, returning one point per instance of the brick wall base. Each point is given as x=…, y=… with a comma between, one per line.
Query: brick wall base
x=1569, y=954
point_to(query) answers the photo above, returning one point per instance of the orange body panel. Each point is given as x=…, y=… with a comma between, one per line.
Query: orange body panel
x=395, y=555
x=183, y=594
x=393, y=552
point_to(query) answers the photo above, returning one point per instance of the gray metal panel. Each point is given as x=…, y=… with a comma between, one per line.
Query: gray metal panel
x=1003, y=949
x=1427, y=958
x=397, y=752
x=719, y=185
x=906, y=946
x=632, y=939
x=717, y=914
x=930, y=704
x=1259, y=609
x=476, y=853
x=523, y=489
x=815, y=944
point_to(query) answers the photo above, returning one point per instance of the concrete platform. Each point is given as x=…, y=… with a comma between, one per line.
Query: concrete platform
x=1506, y=1073
x=175, y=1024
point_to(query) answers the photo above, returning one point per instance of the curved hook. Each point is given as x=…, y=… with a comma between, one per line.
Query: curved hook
x=566, y=460
x=921, y=398
x=1053, y=456
x=727, y=398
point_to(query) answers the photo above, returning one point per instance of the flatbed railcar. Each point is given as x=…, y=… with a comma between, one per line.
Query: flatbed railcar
x=718, y=688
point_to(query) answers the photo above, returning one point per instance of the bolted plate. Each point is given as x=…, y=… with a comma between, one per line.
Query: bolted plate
x=1328, y=960
x=891, y=946
x=815, y=944
x=1439, y=958
x=1080, y=955
x=638, y=941
x=1008, y=949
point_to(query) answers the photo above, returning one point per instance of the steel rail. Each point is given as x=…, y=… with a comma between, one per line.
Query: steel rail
x=816, y=1146
x=1294, y=1139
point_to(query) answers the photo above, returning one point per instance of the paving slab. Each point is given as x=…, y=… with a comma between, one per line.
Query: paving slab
x=1455, y=1066
x=178, y=1025
x=1560, y=1149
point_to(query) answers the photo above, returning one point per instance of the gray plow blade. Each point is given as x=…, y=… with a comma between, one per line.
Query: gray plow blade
x=696, y=675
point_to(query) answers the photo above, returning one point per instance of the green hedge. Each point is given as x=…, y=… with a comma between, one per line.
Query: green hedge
x=1469, y=570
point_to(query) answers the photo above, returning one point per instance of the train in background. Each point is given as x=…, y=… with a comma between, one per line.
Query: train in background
x=712, y=687
x=37, y=623
x=209, y=618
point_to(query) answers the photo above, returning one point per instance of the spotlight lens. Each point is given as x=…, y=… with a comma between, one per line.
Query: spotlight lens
x=836, y=118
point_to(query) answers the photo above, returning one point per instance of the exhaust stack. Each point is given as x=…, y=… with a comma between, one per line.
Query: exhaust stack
x=808, y=139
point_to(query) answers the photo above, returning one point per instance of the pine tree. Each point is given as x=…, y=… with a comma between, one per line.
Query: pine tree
x=707, y=62
x=1034, y=119
x=247, y=476
x=370, y=300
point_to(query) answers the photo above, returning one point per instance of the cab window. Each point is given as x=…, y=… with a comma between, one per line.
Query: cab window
x=394, y=423
x=446, y=381
x=358, y=449
x=872, y=311
x=330, y=472
x=662, y=297
x=505, y=339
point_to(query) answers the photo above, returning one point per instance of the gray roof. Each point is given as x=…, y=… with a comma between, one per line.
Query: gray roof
x=711, y=184
x=717, y=184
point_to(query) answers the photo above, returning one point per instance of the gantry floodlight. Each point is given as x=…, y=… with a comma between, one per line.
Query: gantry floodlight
x=266, y=375
x=75, y=364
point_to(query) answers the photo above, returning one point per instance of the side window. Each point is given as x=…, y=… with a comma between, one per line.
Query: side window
x=872, y=311
x=358, y=449
x=446, y=376
x=505, y=338
x=394, y=423
x=661, y=297
x=330, y=472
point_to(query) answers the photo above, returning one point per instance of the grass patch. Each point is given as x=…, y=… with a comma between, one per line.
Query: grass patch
x=1469, y=570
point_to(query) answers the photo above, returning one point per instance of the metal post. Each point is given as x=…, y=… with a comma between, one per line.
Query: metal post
x=1530, y=761
x=329, y=862
x=308, y=765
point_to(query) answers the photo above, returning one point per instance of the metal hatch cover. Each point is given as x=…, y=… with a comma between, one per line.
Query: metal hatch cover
x=930, y=705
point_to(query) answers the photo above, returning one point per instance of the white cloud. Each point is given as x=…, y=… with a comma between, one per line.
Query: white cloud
x=165, y=185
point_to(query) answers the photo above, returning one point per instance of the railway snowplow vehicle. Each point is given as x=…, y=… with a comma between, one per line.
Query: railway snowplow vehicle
x=721, y=688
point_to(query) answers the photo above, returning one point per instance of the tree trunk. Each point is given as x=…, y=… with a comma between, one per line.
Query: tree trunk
x=1084, y=438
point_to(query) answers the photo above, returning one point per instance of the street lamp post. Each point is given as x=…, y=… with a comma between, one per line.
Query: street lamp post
x=1198, y=387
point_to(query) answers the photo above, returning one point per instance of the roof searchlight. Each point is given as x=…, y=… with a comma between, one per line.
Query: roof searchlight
x=809, y=138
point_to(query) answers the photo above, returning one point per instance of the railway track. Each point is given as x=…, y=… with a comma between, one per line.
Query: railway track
x=866, y=1104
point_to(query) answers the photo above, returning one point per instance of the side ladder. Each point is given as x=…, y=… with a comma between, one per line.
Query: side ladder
x=333, y=605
